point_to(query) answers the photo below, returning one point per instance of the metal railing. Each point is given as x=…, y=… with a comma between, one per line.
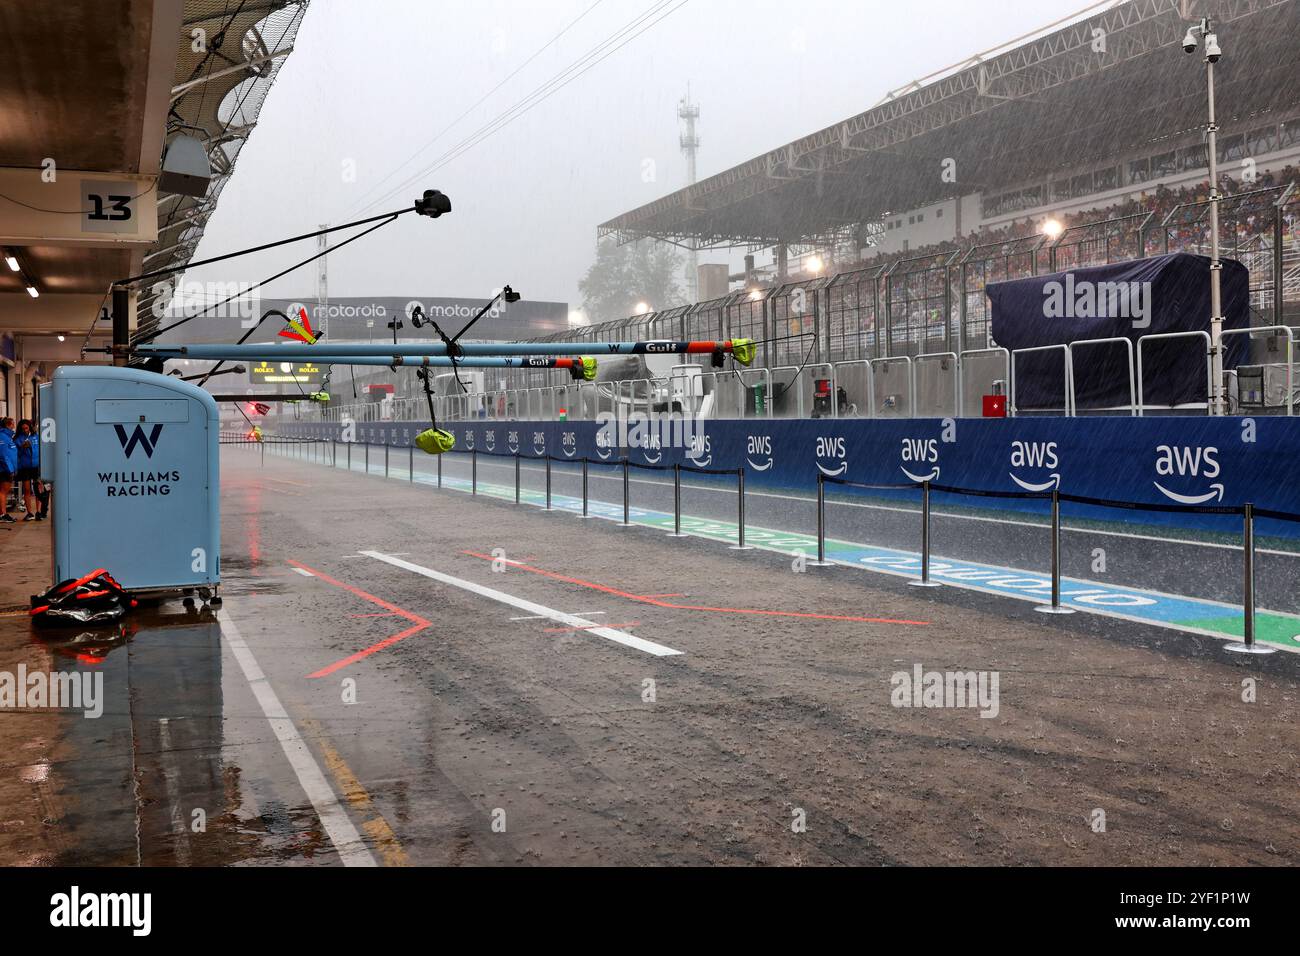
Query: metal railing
x=1209, y=374
x=926, y=385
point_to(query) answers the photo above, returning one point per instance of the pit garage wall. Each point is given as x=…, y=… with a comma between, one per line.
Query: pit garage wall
x=1162, y=461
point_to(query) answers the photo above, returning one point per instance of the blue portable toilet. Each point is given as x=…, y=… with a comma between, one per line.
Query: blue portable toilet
x=133, y=457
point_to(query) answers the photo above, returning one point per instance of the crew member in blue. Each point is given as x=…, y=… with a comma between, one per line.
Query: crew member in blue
x=29, y=466
x=8, y=466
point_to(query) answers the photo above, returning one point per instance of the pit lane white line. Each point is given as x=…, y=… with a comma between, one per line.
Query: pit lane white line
x=540, y=610
x=351, y=848
x=536, y=617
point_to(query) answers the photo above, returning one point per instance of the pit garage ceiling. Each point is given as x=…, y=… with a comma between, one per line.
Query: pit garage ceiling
x=101, y=87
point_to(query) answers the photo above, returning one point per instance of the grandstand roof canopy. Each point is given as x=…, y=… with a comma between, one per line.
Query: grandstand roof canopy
x=1005, y=117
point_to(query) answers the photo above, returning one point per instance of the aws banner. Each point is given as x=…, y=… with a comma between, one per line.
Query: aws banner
x=1162, y=461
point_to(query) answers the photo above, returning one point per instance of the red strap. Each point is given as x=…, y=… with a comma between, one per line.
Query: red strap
x=80, y=581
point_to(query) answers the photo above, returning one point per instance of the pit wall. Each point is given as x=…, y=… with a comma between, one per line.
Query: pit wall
x=1157, y=461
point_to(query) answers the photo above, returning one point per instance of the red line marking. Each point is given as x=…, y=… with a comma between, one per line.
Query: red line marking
x=647, y=599
x=419, y=623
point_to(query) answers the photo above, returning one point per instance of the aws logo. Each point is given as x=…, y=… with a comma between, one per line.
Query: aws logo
x=651, y=449
x=760, y=447
x=490, y=440
x=469, y=439
x=833, y=448
x=604, y=447
x=1037, y=455
x=1184, y=462
x=138, y=437
x=539, y=443
x=569, y=443
x=918, y=453
x=512, y=442
x=700, y=452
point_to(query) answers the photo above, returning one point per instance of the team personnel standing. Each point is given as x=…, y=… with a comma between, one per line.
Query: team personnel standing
x=29, y=462
x=8, y=466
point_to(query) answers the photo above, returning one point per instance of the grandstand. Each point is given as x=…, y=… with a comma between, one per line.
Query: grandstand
x=1097, y=125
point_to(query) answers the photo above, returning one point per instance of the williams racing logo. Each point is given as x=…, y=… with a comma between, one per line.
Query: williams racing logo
x=147, y=442
x=137, y=484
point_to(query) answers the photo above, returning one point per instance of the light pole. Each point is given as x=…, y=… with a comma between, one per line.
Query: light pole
x=1212, y=55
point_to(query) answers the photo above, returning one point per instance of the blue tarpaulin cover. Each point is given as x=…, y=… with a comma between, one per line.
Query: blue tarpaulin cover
x=1169, y=293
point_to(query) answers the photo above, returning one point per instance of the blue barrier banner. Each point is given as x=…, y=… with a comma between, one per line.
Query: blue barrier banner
x=1152, y=296
x=1156, y=460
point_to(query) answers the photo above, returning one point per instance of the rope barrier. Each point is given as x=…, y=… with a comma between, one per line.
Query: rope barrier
x=973, y=493
x=1163, y=508
x=858, y=484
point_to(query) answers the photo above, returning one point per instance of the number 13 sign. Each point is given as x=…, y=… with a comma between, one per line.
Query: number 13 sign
x=109, y=206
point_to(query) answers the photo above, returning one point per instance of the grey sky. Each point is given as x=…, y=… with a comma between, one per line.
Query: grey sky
x=371, y=81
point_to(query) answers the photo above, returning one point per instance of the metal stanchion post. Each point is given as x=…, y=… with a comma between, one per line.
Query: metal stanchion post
x=1248, y=645
x=627, y=511
x=410, y=462
x=821, y=518
x=1055, y=606
x=385, y=459
x=584, y=489
x=516, y=477
x=440, y=471
x=473, y=471
x=740, y=512
x=821, y=561
x=349, y=456
x=548, y=482
x=924, y=581
x=367, y=458
x=677, y=503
